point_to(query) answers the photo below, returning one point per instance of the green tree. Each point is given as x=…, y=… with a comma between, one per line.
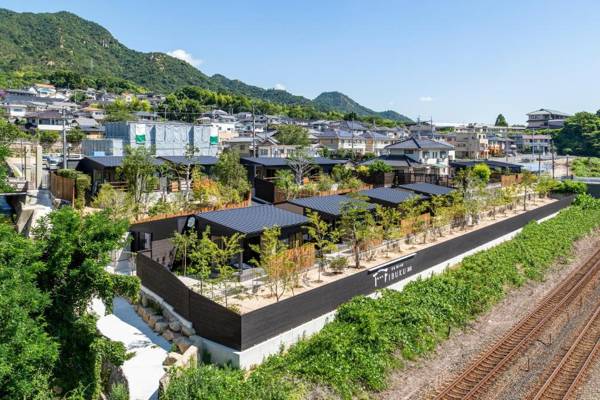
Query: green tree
x=388, y=219
x=117, y=203
x=482, y=172
x=138, y=170
x=356, y=223
x=229, y=172
x=323, y=237
x=528, y=179
x=75, y=250
x=292, y=135
x=284, y=181
x=183, y=243
x=27, y=352
x=275, y=261
x=227, y=251
x=202, y=256
x=8, y=134
x=75, y=135
x=580, y=135
x=500, y=120
x=378, y=167
x=47, y=139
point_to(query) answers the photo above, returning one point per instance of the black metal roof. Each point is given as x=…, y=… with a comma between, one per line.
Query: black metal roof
x=112, y=161
x=283, y=162
x=195, y=160
x=395, y=160
x=330, y=205
x=427, y=189
x=490, y=163
x=254, y=219
x=391, y=195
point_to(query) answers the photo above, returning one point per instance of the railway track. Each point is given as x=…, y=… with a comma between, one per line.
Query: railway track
x=571, y=369
x=482, y=373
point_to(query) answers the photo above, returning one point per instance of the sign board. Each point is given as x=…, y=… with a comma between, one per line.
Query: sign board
x=391, y=272
x=140, y=134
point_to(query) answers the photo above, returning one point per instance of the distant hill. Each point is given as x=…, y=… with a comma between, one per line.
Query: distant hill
x=47, y=42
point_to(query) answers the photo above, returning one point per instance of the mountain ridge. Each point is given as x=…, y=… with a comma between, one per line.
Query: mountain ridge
x=45, y=42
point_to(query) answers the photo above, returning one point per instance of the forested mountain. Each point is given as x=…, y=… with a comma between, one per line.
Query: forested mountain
x=48, y=42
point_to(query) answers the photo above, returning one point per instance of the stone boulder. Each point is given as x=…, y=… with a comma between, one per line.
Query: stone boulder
x=182, y=343
x=170, y=335
x=160, y=326
x=175, y=326
x=187, y=331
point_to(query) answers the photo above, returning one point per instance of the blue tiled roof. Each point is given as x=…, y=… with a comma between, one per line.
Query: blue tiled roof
x=390, y=195
x=255, y=219
x=331, y=205
x=427, y=189
x=394, y=160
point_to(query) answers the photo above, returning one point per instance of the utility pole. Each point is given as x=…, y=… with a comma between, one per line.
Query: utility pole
x=253, y=132
x=64, y=138
x=552, y=153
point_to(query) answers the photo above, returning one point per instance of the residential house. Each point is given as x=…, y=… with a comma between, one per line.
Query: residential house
x=471, y=145
x=376, y=142
x=51, y=120
x=546, y=119
x=43, y=90
x=537, y=144
x=432, y=154
x=336, y=140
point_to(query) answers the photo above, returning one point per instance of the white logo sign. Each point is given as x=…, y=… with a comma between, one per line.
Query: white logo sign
x=386, y=275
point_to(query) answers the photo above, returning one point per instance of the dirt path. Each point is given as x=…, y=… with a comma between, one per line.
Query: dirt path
x=420, y=378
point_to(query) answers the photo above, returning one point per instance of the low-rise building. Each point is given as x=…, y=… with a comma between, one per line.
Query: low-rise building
x=165, y=138
x=546, y=119
x=471, y=145
x=538, y=144
x=435, y=155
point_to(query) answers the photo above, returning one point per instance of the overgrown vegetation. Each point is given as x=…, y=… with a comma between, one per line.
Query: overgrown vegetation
x=586, y=167
x=49, y=340
x=355, y=352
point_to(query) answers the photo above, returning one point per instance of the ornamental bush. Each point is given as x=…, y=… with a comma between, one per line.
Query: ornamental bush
x=354, y=353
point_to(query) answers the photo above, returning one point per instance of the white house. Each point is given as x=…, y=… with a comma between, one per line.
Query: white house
x=433, y=153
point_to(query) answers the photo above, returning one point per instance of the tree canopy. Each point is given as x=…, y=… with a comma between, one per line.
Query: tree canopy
x=580, y=135
x=292, y=135
x=501, y=121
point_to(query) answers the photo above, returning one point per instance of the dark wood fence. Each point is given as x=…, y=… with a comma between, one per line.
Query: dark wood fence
x=210, y=319
x=217, y=323
x=62, y=188
x=405, y=178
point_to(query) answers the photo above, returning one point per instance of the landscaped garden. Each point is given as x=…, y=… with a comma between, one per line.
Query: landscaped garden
x=369, y=337
x=361, y=239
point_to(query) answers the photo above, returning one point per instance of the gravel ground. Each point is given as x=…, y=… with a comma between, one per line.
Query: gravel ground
x=420, y=379
x=530, y=371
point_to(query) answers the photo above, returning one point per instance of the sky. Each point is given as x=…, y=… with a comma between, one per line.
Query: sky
x=451, y=61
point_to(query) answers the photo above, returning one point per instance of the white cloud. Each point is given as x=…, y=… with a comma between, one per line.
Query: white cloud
x=185, y=56
x=426, y=99
x=279, y=86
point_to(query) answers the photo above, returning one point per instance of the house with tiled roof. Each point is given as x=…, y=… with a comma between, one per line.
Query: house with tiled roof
x=545, y=118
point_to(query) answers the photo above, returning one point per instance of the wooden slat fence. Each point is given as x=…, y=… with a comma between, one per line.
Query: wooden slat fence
x=62, y=188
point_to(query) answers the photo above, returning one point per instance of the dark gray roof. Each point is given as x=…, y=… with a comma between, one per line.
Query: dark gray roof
x=196, y=160
x=414, y=143
x=282, y=162
x=490, y=163
x=331, y=205
x=113, y=161
x=390, y=195
x=251, y=220
x=394, y=161
x=427, y=189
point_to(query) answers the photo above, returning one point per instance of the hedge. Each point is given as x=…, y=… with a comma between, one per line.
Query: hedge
x=369, y=337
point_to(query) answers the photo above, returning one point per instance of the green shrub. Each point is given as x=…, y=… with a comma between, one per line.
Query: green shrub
x=571, y=187
x=82, y=183
x=338, y=264
x=355, y=352
x=118, y=392
x=379, y=167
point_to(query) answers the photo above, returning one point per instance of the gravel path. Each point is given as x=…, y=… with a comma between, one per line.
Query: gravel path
x=419, y=379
